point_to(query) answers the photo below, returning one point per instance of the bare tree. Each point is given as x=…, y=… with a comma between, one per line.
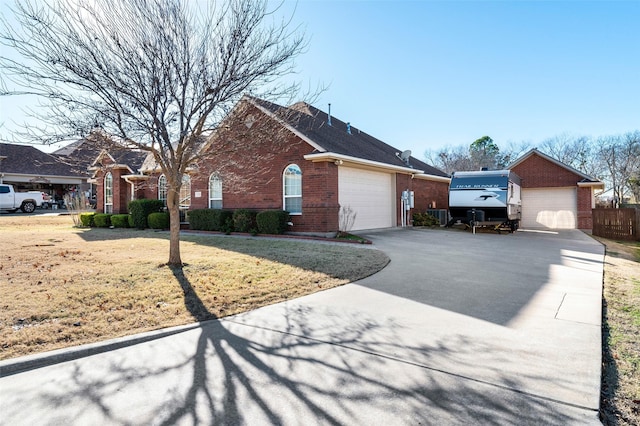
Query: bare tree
x=621, y=158
x=158, y=74
x=483, y=152
x=579, y=152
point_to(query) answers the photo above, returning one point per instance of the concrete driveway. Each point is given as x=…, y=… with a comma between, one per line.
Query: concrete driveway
x=458, y=328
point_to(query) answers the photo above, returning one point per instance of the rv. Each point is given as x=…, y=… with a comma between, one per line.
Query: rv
x=485, y=198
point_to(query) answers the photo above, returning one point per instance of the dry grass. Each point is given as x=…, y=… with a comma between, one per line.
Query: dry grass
x=620, y=403
x=62, y=286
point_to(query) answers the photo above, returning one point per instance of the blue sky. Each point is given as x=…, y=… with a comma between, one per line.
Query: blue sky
x=426, y=74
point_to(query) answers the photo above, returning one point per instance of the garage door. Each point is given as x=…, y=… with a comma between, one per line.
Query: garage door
x=370, y=195
x=554, y=208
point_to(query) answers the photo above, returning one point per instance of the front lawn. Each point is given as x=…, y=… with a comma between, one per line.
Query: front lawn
x=62, y=286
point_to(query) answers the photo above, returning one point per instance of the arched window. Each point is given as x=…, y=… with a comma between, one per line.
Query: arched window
x=108, y=193
x=292, y=189
x=162, y=189
x=185, y=193
x=215, y=192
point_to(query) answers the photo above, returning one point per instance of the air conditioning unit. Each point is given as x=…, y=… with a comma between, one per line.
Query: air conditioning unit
x=441, y=214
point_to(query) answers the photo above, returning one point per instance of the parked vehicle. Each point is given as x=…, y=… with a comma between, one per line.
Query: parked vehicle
x=12, y=201
x=486, y=198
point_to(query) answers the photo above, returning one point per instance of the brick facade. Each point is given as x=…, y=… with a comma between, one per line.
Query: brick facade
x=250, y=153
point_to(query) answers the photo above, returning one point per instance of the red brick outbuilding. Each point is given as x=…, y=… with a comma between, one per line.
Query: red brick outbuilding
x=554, y=195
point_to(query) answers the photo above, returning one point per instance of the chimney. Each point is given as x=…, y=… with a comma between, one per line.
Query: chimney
x=349, y=128
x=329, y=120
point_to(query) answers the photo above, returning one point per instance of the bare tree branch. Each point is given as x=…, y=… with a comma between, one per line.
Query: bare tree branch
x=158, y=74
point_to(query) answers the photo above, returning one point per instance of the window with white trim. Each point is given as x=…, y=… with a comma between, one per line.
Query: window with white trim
x=162, y=189
x=108, y=193
x=215, y=191
x=292, y=189
x=185, y=193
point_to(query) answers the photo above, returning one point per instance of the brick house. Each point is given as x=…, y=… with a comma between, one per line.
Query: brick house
x=297, y=158
x=554, y=195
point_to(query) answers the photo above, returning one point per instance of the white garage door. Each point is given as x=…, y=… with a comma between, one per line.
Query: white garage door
x=554, y=208
x=370, y=195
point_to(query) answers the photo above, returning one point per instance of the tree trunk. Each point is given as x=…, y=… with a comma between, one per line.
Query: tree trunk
x=174, y=229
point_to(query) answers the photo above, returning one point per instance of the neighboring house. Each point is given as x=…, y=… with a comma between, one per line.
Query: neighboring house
x=555, y=195
x=298, y=158
x=29, y=169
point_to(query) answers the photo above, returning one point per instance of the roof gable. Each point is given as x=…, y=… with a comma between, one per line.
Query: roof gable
x=536, y=152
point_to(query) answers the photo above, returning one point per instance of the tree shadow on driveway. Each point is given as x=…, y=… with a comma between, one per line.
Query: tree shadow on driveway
x=228, y=372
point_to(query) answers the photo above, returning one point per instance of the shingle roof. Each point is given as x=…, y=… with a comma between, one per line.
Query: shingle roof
x=28, y=160
x=335, y=138
x=83, y=153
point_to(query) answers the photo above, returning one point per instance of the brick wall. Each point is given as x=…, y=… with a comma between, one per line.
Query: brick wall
x=251, y=163
x=538, y=172
x=427, y=194
x=585, y=212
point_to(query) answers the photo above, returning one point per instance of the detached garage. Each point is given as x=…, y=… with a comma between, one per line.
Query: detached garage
x=554, y=195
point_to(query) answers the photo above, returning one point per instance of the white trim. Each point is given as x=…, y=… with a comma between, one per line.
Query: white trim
x=330, y=156
x=210, y=197
x=284, y=191
x=594, y=185
x=107, y=210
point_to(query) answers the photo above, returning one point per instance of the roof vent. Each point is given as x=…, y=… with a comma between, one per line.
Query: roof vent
x=349, y=128
x=329, y=120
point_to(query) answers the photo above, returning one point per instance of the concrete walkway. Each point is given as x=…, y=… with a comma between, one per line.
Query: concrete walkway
x=459, y=328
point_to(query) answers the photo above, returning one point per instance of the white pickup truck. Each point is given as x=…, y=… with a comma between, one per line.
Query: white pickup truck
x=12, y=201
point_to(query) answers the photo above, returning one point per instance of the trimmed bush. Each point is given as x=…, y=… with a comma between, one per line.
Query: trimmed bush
x=87, y=219
x=244, y=220
x=425, y=219
x=102, y=220
x=130, y=220
x=141, y=209
x=209, y=219
x=272, y=221
x=158, y=220
x=120, y=220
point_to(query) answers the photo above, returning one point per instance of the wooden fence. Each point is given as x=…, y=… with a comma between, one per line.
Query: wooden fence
x=617, y=224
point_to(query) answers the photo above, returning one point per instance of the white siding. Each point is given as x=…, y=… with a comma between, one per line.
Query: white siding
x=370, y=194
x=554, y=208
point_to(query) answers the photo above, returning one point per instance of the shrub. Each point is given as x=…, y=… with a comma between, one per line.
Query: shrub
x=141, y=209
x=120, y=220
x=87, y=219
x=130, y=220
x=158, y=220
x=272, y=221
x=425, y=219
x=102, y=220
x=244, y=220
x=209, y=219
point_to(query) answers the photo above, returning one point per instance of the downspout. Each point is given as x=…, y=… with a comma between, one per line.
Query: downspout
x=133, y=187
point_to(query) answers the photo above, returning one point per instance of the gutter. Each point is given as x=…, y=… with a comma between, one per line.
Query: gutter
x=339, y=159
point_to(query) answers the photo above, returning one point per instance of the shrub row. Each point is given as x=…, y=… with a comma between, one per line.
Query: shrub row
x=241, y=220
x=156, y=220
x=425, y=219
